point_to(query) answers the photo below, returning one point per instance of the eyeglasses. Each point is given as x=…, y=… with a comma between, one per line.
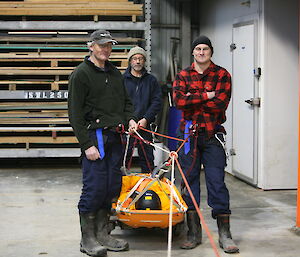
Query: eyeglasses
x=138, y=59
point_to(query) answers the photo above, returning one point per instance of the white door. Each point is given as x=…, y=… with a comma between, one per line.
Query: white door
x=244, y=151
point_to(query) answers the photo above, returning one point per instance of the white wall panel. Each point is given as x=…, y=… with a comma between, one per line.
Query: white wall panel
x=278, y=86
x=280, y=132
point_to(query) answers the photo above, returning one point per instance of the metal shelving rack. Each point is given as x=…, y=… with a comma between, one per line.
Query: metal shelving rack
x=63, y=25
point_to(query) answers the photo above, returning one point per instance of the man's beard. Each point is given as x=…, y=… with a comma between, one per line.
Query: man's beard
x=137, y=67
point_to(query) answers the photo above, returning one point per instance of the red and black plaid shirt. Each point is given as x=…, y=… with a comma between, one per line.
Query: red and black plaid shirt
x=189, y=94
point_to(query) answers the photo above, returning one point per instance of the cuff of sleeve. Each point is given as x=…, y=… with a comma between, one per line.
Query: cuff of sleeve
x=132, y=118
x=86, y=145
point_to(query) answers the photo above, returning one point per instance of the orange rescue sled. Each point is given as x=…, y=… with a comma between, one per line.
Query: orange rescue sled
x=133, y=188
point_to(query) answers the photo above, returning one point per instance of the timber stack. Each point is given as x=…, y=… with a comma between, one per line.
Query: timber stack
x=35, y=66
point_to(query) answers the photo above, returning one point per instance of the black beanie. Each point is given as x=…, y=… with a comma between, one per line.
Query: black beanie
x=202, y=40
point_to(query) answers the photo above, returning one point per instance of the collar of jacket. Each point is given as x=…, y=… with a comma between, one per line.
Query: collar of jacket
x=211, y=67
x=128, y=74
x=108, y=66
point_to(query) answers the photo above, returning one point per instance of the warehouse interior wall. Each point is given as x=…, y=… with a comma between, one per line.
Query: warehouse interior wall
x=278, y=85
x=216, y=21
x=166, y=29
x=280, y=116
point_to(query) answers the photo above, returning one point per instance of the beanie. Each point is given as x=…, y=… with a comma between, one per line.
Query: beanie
x=202, y=40
x=136, y=50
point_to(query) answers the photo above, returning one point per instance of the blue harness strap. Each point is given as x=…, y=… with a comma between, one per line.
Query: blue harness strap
x=187, y=145
x=100, y=142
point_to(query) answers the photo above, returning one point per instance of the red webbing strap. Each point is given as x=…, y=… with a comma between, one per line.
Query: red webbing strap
x=211, y=240
x=145, y=155
x=130, y=159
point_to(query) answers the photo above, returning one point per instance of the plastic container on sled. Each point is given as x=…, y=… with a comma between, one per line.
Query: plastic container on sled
x=133, y=188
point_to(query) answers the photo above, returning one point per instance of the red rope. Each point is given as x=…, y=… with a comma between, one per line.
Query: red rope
x=130, y=159
x=161, y=135
x=146, y=158
x=211, y=240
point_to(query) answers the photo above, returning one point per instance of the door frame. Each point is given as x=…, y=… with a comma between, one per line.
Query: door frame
x=253, y=181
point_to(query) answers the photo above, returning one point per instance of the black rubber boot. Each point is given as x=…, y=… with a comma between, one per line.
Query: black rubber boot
x=89, y=243
x=103, y=236
x=225, y=238
x=194, y=234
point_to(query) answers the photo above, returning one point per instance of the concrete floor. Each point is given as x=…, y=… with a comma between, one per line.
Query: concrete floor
x=38, y=213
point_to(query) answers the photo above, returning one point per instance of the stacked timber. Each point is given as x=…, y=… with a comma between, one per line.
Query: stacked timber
x=35, y=123
x=35, y=66
x=38, y=62
x=94, y=8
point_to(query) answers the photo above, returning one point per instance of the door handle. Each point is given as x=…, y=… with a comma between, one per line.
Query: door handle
x=253, y=101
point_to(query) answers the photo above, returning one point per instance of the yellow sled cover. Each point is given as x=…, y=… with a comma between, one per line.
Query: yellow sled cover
x=125, y=206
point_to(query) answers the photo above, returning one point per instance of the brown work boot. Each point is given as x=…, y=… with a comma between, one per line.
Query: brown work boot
x=89, y=243
x=194, y=234
x=225, y=238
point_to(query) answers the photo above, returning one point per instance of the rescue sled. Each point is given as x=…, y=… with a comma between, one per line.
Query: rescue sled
x=135, y=207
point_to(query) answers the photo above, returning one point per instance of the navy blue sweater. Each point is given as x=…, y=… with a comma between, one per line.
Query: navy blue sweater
x=145, y=94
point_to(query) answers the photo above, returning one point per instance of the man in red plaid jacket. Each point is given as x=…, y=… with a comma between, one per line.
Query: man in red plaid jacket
x=202, y=92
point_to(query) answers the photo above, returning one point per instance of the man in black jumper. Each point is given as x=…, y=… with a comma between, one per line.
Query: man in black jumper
x=98, y=106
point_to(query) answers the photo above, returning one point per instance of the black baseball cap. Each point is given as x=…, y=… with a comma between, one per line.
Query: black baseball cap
x=102, y=37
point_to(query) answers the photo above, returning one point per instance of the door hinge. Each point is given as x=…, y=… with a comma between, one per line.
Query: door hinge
x=232, y=152
x=257, y=72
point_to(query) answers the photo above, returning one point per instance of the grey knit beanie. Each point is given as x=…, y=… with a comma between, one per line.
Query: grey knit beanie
x=136, y=50
x=202, y=40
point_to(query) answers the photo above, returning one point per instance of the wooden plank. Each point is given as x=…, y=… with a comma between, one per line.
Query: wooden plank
x=27, y=114
x=70, y=1
x=38, y=140
x=58, y=47
x=35, y=72
x=46, y=32
x=12, y=87
x=58, y=61
x=33, y=106
x=67, y=11
x=26, y=120
x=28, y=82
x=106, y=4
x=37, y=59
x=35, y=129
x=41, y=72
x=24, y=39
x=36, y=68
x=54, y=55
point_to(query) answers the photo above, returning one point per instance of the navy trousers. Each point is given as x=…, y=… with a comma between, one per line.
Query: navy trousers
x=211, y=154
x=145, y=152
x=102, y=179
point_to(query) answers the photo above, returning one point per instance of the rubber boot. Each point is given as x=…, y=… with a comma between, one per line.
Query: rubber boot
x=103, y=236
x=194, y=234
x=225, y=238
x=89, y=243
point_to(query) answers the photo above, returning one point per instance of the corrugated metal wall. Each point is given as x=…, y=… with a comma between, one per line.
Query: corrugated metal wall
x=166, y=24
